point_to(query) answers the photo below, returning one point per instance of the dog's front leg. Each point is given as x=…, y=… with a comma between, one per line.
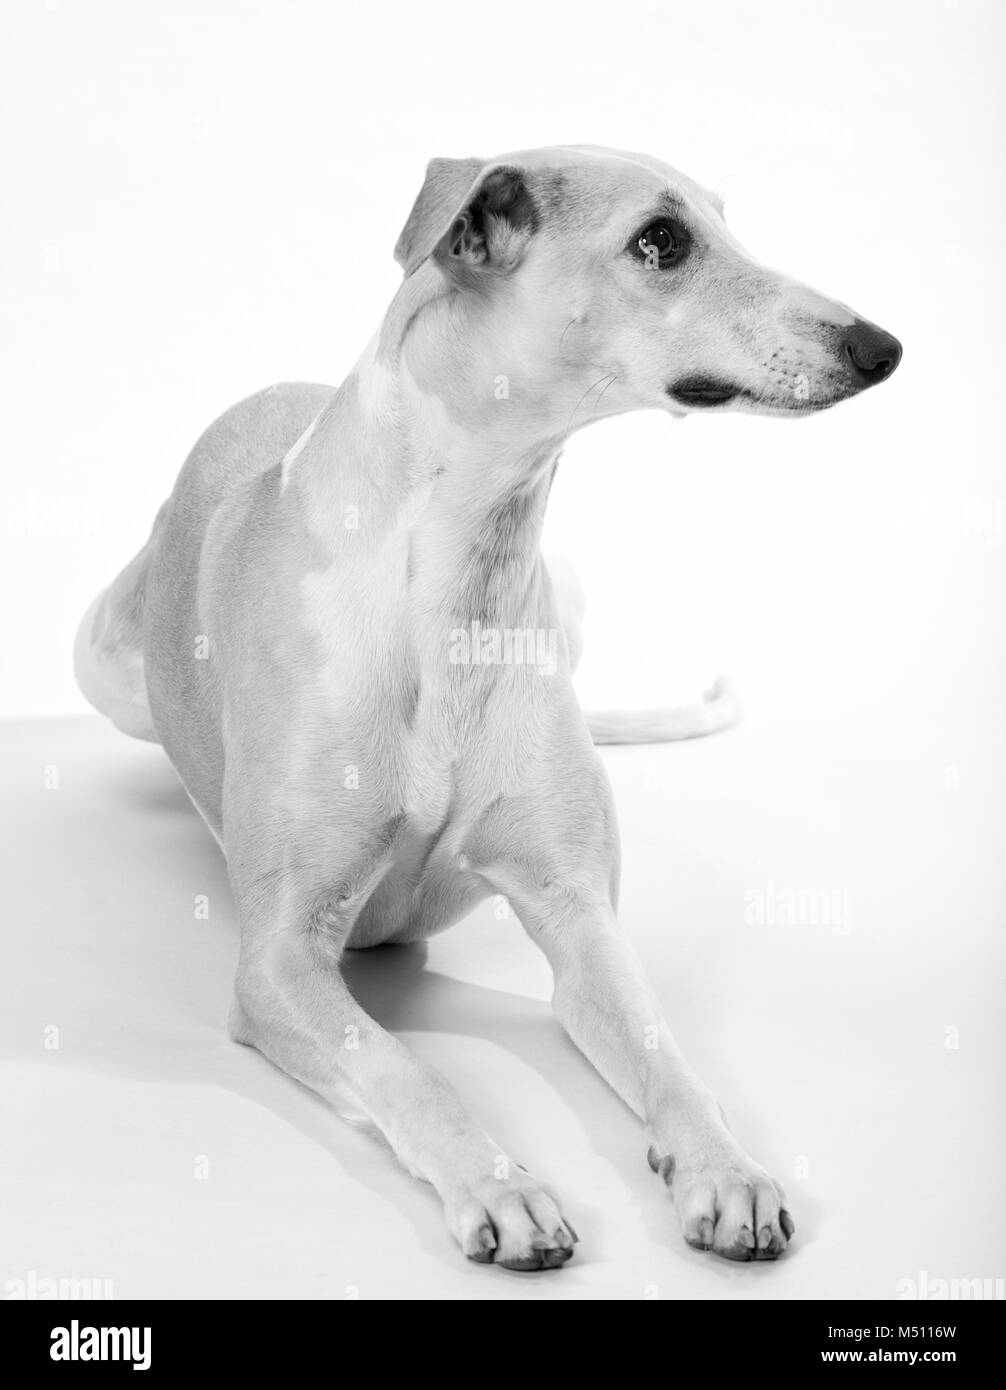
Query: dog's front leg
x=725, y=1201
x=292, y=1003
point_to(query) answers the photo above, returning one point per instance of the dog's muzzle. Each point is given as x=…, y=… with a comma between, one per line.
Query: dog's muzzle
x=866, y=354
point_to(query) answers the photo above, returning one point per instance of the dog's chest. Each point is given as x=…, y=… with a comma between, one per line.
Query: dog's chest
x=433, y=737
x=427, y=884
x=385, y=679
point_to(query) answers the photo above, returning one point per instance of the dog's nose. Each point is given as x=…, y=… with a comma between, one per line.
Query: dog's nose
x=873, y=353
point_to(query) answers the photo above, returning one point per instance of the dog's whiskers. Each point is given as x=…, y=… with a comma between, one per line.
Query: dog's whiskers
x=608, y=379
x=612, y=378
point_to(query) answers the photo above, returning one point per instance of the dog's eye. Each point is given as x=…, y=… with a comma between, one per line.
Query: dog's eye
x=661, y=244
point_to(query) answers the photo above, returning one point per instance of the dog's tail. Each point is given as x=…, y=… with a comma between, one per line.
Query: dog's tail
x=718, y=709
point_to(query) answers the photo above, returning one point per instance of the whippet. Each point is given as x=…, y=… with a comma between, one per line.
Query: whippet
x=315, y=631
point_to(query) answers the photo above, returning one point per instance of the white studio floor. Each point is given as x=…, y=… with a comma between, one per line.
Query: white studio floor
x=149, y=1150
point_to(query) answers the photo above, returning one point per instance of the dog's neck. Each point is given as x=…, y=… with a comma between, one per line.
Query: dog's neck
x=420, y=454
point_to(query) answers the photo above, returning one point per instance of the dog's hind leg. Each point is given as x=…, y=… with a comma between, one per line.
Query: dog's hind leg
x=108, y=651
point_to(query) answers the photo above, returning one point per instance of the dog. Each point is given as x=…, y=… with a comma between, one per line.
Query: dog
x=316, y=632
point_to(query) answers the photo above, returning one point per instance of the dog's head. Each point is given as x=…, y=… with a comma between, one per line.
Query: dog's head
x=594, y=282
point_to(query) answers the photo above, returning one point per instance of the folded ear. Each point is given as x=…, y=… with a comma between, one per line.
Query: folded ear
x=469, y=214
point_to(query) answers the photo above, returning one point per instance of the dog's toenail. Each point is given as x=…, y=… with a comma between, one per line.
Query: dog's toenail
x=663, y=1166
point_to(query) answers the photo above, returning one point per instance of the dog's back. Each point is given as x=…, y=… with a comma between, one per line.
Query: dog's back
x=248, y=439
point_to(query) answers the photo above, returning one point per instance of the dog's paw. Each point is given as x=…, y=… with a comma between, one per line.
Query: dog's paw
x=726, y=1203
x=513, y=1221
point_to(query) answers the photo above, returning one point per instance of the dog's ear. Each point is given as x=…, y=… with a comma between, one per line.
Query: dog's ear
x=469, y=214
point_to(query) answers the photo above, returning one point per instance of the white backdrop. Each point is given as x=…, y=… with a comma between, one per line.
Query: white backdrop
x=202, y=198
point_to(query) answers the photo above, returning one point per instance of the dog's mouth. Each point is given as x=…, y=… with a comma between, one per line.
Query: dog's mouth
x=704, y=391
